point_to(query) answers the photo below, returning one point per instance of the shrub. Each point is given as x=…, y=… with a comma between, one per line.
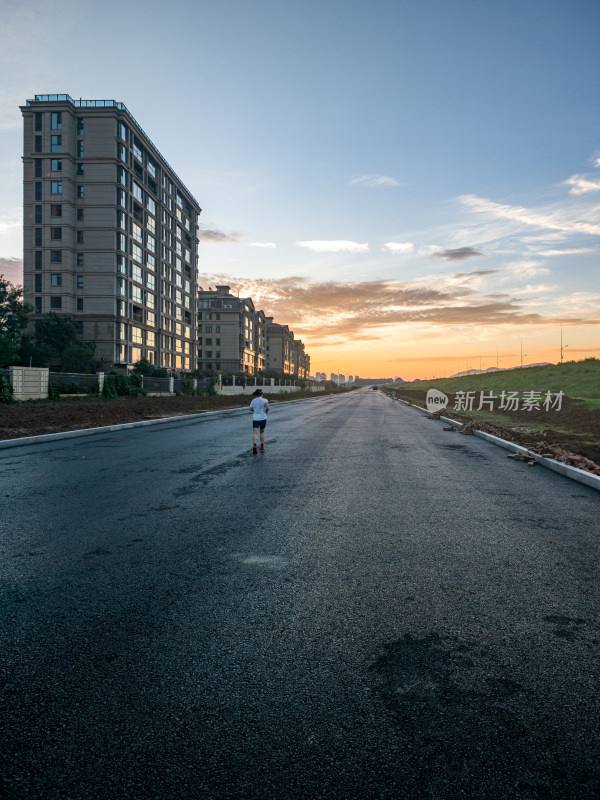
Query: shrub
x=118, y=385
x=6, y=390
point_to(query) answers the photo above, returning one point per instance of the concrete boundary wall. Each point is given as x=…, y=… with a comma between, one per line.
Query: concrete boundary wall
x=29, y=383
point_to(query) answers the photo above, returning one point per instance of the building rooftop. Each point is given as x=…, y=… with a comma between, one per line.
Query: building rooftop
x=66, y=98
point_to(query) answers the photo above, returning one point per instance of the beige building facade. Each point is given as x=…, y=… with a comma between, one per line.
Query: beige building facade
x=110, y=233
x=231, y=332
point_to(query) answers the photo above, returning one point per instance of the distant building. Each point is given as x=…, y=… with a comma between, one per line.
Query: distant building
x=280, y=348
x=231, y=332
x=110, y=233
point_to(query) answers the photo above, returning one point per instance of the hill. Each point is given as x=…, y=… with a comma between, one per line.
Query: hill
x=579, y=380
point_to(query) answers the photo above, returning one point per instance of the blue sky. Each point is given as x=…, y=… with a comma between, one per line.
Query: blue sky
x=408, y=185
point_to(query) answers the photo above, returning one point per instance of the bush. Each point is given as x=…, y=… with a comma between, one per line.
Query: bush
x=118, y=385
x=53, y=392
x=6, y=390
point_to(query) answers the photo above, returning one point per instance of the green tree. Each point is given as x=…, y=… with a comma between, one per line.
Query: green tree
x=75, y=358
x=14, y=318
x=53, y=335
x=144, y=367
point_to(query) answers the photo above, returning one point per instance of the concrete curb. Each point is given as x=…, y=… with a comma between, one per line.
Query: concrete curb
x=53, y=437
x=574, y=473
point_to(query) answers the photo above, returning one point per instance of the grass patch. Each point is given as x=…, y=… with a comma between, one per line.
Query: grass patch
x=576, y=379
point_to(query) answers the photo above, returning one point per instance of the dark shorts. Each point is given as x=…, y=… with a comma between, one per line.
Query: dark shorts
x=259, y=423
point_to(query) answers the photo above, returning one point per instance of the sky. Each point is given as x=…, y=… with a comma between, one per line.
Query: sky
x=412, y=187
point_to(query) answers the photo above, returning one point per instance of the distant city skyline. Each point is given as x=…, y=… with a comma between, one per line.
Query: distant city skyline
x=410, y=187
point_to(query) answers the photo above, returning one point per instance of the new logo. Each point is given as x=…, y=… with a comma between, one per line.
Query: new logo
x=436, y=401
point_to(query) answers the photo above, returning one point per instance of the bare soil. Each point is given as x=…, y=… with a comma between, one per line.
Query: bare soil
x=571, y=434
x=68, y=414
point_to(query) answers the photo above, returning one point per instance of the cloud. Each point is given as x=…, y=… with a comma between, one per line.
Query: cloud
x=375, y=181
x=536, y=289
x=560, y=219
x=576, y=251
x=271, y=245
x=12, y=270
x=398, y=248
x=476, y=273
x=329, y=312
x=581, y=185
x=527, y=269
x=334, y=246
x=458, y=254
x=215, y=236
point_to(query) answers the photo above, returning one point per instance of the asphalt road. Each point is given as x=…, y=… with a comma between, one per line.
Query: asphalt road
x=373, y=608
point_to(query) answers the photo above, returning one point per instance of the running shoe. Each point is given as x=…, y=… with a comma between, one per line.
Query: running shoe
x=263, y=448
x=254, y=448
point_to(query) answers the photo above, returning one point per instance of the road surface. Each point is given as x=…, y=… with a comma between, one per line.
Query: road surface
x=373, y=608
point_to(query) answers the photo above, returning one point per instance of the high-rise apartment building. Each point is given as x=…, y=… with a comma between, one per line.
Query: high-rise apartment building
x=110, y=233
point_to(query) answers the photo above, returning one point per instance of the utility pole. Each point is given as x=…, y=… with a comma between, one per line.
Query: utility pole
x=562, y=347
x=522, y=354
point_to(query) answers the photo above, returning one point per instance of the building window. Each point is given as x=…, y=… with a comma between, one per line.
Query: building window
x=121, y=242
x=56, y=164
x=80, y=149
x=56, y=302
x=37, y=168
x=80, y=124
x=38, y=283
x=137, y=335
x=57, y=120
x=122, y=131
x=56, y=256
x=122, y=198
x=80, y=214
x=56, y=210
x=79, y=326
x=122, y=265
x=37, y=191
x=56, y=187
x=138, y=153
x=38, y=120
x=79, y=237
x=56, y=279
x=56, y=144
x=138, y=192
x=38, y=259
x=37, y=147
x=56, y=233
x=80, y=281
x=151, y=169
x=122, y=176
x=80, y=259
x=38, y=215
x=80, y=169
x=38, y=305
x=38, y=237
x=80, y=190
x=80, y=304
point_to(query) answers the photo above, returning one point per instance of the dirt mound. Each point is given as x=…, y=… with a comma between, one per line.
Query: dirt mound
x=70, y=414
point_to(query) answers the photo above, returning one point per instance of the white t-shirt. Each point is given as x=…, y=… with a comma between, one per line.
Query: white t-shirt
x=258, y=408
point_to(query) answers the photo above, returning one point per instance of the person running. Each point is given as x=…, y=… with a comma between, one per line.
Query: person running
x=260, y=409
